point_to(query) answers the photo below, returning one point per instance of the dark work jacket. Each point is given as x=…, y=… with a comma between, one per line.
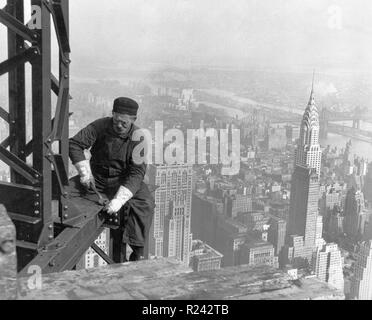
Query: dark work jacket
x=113, y=166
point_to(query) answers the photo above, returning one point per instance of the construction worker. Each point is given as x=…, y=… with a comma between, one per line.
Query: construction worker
x=112, y=171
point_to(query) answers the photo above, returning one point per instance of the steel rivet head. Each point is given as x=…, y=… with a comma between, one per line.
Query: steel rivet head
x=36, y=204
x=50, y=227
x=116, y=221
x=65, y=216
x=65, y=208
x=37, y=212
x=51, y=237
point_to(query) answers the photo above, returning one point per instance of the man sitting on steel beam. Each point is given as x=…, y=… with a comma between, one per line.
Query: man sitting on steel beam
x=113, y=171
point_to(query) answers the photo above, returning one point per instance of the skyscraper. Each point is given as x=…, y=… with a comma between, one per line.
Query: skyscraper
x=355, y=217
x=308, y=152
x=170, y=234
x=361, y=285
x=277, y=233
x=329, y=266
x=368, y=184
x=91, y=259
x=303, y=214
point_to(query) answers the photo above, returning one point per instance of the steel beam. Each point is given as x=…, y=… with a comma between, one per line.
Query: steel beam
x=19, y=166
x=102, y=254
x=16, y=80
x=14, y=62
x=15, y=25
x=4, y=115
x=20, y=199
x=59, y=14
x=64, y=71
x=6, y=143
x=69, y=246
x=41, y=120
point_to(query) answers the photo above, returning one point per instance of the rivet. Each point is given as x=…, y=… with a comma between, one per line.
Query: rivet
x=65, y=216
x=66, y=76
x=37, y=212
x=116, y=221
x=51, y=237
x=50, y=227
x=36, y=204
x=65, y=208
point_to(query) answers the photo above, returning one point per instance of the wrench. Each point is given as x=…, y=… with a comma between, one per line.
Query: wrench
x=102, y=201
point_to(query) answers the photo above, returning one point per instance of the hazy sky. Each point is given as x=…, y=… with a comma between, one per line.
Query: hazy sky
x=217, y=32
x=224, y=31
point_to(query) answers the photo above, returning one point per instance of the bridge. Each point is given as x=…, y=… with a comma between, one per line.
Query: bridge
x=327, y=125
x=362, y=135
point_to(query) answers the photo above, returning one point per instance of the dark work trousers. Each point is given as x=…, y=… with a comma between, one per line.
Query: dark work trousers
x=135, y=221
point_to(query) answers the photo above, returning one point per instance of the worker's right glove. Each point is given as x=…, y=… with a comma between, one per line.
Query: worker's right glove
x=85, y=172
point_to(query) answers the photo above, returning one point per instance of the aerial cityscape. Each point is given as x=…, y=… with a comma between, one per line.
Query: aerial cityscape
x=300, y=196
x=300, y=202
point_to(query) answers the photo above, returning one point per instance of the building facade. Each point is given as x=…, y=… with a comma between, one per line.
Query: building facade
x=354, y=213
x=170, y=233
x=329, y=266
x=304, y=211
x=361, y=285
x=277, y=233
x=203, y=257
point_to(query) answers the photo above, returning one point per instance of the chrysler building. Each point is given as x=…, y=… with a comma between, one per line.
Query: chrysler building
x=308, y=153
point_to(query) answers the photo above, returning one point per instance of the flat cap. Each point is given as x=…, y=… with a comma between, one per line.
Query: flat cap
x=126, y=106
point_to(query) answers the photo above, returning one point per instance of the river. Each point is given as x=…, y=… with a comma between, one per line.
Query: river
x=359, y=148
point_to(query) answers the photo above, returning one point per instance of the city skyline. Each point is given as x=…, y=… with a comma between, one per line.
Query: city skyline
x=242, y=178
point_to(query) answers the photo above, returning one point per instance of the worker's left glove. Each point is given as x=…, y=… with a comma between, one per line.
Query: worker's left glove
x=120, y=199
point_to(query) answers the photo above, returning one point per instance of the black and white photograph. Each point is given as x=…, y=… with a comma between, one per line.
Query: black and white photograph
x=182, y=155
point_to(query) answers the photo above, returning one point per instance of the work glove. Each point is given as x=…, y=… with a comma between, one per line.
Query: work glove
x=120, y=199
x=85, y=173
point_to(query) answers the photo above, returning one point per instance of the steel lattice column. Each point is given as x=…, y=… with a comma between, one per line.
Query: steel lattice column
x=17, y=114
x=41, y=120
